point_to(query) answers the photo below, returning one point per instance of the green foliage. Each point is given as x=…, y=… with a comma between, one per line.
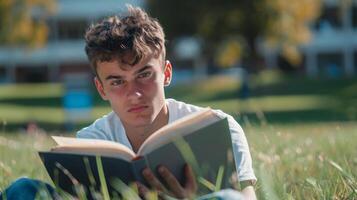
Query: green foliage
x=280, y=23
x=22, y=22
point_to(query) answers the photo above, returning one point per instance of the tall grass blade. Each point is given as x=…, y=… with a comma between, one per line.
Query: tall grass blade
x=315, y=185
x=351, y=182
x=77, y=187
x=187, y=154
x=90, y=176
x=206, y=183
x=103, y=183
x=89, y=171
x=128, y=193
x=219, y=178
x=267, y=185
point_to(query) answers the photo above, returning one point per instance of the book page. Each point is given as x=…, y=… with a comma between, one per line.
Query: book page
x=179, y=128
x=92, y=147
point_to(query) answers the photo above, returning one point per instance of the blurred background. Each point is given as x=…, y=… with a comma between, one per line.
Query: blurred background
x=286, y=70
x=262, y=61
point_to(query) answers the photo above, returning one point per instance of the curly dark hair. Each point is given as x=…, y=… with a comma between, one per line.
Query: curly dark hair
x=136, y=34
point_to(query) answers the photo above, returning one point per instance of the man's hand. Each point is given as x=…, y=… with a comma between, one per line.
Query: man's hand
x=174, y=187
x=249, y=193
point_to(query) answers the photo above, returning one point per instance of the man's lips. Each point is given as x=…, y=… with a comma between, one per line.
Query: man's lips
x=136, y=109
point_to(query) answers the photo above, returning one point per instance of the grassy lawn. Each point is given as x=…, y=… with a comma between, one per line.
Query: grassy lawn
x=273, y=98
x=301, y=131
x=295, y=161
x=305, y=161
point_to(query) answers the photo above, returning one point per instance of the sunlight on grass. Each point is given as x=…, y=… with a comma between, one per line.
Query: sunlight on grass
x=31, y=90
x=273, y=103
x=21, y=103
x=18, y=153
x=11, y=113
x=21, y=114
x=208, y=88
x=299, y=161
x=292, y=161
x=267, y=77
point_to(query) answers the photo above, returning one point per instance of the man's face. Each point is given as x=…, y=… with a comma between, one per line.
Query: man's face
x=136, y=93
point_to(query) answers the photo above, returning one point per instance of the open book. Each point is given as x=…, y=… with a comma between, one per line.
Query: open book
x=201, y=139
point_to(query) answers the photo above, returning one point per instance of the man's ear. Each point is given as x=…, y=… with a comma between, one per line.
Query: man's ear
x=100, y=88
x=167, y=73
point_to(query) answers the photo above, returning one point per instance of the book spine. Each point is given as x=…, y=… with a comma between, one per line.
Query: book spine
x=138, y=167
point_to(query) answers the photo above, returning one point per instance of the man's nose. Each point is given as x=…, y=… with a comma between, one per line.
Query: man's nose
x=134, y=91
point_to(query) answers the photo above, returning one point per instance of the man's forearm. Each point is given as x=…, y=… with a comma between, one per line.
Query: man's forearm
x=249, y=193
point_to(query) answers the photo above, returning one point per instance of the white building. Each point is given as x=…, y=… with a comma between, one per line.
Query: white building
x=332, y=51
x=64, y=51
x=333, y=48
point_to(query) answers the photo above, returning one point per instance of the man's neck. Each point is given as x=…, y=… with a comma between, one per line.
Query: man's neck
x=137, y=135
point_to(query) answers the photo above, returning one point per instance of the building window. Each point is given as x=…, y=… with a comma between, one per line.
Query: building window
x=71, y=29
x=330, y=18
x=330, y=64
x=355, y=61
x=2, y=74
x=35, y=74
x=52, y=29
x=354, y=16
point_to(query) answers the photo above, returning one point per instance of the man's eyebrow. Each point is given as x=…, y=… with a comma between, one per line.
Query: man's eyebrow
x=143, y=69
x=120, y=77
x=113, y=77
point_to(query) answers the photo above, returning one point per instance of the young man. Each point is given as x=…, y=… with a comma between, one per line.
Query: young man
x=128, y=58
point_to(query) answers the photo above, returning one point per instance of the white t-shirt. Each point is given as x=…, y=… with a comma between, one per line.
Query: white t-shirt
x=109, y=127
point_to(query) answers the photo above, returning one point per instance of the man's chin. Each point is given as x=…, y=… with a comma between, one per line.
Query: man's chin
x=141, y=122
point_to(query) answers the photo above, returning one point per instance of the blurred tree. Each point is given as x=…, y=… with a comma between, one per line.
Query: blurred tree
x=278, y=23
x=229, y=52
x=22, y=22
x=288, y=26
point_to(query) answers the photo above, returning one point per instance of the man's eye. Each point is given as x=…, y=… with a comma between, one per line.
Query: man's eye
x=144, y=74
x=117, y=82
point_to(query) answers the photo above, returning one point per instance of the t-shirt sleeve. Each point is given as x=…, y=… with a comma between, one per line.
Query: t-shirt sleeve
x=94, y=131
x=242, y=157
x=241, y=151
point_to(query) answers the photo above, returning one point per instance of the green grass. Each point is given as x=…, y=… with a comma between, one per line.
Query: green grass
x=293, y=161
x=301, y=131
x=30, y=91
x=19, y=157
x=276, y=98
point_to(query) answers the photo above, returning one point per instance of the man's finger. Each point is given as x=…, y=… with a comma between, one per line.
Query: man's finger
x=173, y=184
x=142, y=189
x=145, y=193
x=152, y=180
x=191, y=183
